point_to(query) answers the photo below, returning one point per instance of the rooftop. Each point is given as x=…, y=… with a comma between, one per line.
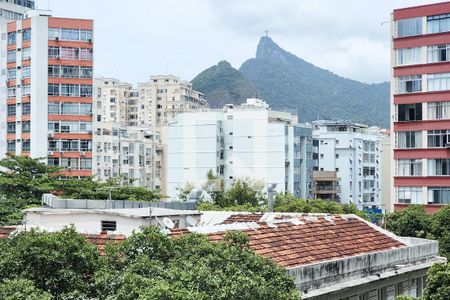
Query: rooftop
x=299, y=239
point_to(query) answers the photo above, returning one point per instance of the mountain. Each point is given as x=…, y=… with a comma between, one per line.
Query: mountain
x=288, y=82
x=222, y=84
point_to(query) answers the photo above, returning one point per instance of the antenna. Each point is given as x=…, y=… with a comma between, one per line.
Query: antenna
x=191, y=221
x=168, y=223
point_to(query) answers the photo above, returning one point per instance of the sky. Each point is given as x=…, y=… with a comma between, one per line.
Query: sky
x=134, y=39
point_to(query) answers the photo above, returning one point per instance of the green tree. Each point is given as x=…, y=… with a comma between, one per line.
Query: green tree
x=413, y=221
x=61, y=263
x=151, y=265
x=440, y=230
x=21, y=289
x=242, y=192
x=183, y=192
x=438, y=282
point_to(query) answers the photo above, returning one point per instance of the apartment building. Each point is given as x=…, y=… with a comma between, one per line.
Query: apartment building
x=420, y=105
x=164, y=96
x=46, y=93
x=14, y=9
x=111, y=100
x=353, y=151
x=236, y=142
x=123, y=152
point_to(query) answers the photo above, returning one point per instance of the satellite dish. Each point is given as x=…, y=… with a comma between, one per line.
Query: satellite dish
x=168, y=223
x=191, y=221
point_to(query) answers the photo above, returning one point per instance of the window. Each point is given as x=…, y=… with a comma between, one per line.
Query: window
x=70, y=34
x=85, y=109
x=68, y=108
x=69, y=145
x=409, y=56
x=439, y=195
x=53, y=33
x=439, y=167
x=11, y=92
x=53, y=89
x=409, y=167
x=26, y=108
x=85, y=90
x=439, y=23
x=408, y=139
x=53, y=108
x=11, y=127
x=53, y=126
x=69, y=163
x=85, y=163
x=11, y=74
x=53, y=161
x=11, y=56
x=409, y=112
x=26, y=35
x=11, y=38
x=70, y=90
x=86, y=35
x=409, y=195
x=11, y=109
x=438, y=110
x=11, y=146
x=26, y=145
x=409, y=27
x=53, y=71
x=26, y=126
x=26, y=72
x=86, y=72
x=26, y=53
x=85, y=145
x=439, y=82
x=409, y=84
x=53, y=145
x=70, y=53
x=53, y=52
x=86, y=54
x=26, y=89
x=438, y=138
x=438, y=53
x=109, y=225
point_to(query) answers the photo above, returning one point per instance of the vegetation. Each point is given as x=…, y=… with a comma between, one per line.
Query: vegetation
x=24, y=180
x=148, y=265
x=222, y=84
x=288, y=82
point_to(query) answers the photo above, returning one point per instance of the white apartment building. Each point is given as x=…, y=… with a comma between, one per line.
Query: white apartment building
x=246, y=141
x=124, y=152
x=111, y=100
x=14, y=9
x=353, y=151
x=164, y=96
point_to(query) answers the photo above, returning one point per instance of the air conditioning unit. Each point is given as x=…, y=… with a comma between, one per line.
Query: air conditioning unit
x=50, y=153
x=90, y=40
x=447, y=145
x=83, y=153
x=51, y=135
x=19, y=67
x=56, y=38
x=19, y=49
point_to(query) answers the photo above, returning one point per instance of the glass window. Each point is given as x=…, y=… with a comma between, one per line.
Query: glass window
x=53, y=71
x=53, y=52
x=69, y=127
x=439, y=195
x=438, y=53
x=11, y=38
x=86, y=35
x=11, y=127
x=69, y=145
x=26, y=35
x=85, y=109
x=53, y=33
x=26, y=72
x=53, y=108
x=11, y=147
x=69, y=108
x=85, y=163
x=409, y=56
x=439, y=23
x=11, y=74
x=26, y=145
x=69, y=163
x=26, y=89
x=409, y=27
x=53, y=89
x=439, y=82
x=409, y=167
x=86, y=54
x=439, y=167
x=409, y=84
x=53, y=145
x=11, y=56
x=26, y=126
x=26, y=53
x=11, y=92
x=410, y=195
x=438, y=138
x=85, y=127
x=408, y=139
x=70, y=34
x=26, y=108
x=70, y=53
x=85, y=90
x=11, y=109
x=53, y=161
x=53, y=126
x=85, y=145
x=70, y=71
x=438, y=110
x=70, y=90
x=86, y=72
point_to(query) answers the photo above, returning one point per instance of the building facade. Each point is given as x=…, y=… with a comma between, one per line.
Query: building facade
x=245, y=141
x=420, y=105
x=353, y=151
x=46, y=93
x=15, y=9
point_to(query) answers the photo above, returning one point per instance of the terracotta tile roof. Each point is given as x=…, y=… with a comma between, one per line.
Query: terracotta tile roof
x=313, y=239
x=5, y=231
x=254, y=217
x=100, y=240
